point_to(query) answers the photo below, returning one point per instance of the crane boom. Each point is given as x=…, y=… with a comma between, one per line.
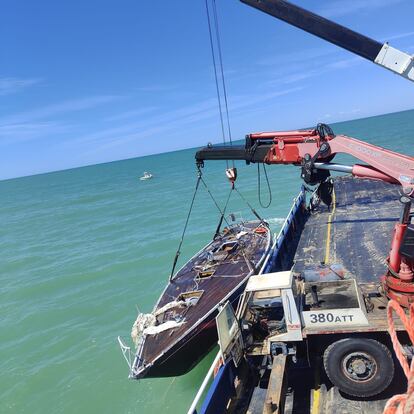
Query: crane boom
x=382, y=54
x=314, y=149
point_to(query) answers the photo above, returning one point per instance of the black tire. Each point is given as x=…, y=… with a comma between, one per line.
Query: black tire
x=359, y=367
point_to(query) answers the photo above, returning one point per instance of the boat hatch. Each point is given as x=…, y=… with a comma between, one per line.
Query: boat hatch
x=230, y=341
x=176, y=309
x=228, y=247
x=205, y=273
x=191, y=297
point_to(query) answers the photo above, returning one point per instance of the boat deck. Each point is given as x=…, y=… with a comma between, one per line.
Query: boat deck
x=353, y=236
x=225, y=283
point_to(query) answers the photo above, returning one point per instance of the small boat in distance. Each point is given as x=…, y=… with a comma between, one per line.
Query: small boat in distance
x=181, y=329
x=146, y=176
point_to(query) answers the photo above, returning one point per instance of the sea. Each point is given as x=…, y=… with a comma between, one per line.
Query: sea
x=84, y=250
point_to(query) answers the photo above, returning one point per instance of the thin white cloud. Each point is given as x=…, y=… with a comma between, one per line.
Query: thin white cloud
x=340, y=115
x=9, y=86
x=297, y=56
x=398, y=36
x=37, y=123
x=58, y=108
x=345, y=63
x=310, y=70
x=14, y=133
x=156, y=88
x=189, y=116
x=342, y=7
x=198, y=110
x=332, y=60
x=134, y=113
x=350, y=112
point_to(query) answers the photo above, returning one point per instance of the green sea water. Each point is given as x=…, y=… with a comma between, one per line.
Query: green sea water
x=82, y=249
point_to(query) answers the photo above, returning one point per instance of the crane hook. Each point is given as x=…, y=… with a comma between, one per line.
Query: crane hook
x=231, y=174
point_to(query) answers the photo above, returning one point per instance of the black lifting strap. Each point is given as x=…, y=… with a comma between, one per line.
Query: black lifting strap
x=222, y=214
x=185, y=227
x=251, y=208
x=218, y=208
x=259, y=191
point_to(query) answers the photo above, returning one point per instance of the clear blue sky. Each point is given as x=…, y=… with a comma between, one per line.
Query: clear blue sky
x=83, y=82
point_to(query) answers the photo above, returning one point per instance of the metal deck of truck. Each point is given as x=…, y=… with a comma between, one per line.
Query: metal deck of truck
x=352, y=238
x=309, y=391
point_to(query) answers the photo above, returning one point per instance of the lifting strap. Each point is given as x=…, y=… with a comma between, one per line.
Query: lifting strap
x=251, y=208
x=259, y=191
x=223, y=213
x=231, y=175
x=214, y=201
x=177, y=254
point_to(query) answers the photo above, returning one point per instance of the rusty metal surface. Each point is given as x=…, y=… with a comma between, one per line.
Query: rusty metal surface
x=275, y=391
x=311, y=392
x=360, y=234
x=333, y=295
x=376, y=315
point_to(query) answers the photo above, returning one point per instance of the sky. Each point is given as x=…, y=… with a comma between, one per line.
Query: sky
x=85, y=82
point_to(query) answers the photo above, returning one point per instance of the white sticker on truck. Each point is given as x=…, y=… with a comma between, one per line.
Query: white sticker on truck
x=334, y=318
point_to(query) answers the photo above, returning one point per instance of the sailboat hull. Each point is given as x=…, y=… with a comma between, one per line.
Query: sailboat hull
x=188, y=352
x=180, y=333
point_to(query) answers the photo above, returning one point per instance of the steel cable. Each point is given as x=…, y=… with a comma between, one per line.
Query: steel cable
x=259, y=187
x=215, y=75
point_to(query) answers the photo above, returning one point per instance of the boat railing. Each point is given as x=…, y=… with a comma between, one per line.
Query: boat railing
x=279, y=239
x=126, y=352
x=204, y=384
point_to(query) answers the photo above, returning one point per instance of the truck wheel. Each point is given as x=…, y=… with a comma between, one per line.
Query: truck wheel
x=359, y=367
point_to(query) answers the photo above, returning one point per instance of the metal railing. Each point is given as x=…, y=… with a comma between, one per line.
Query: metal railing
x=203, y=386
x=126, y=352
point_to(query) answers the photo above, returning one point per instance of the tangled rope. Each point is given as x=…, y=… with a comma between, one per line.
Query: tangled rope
x=401, y=403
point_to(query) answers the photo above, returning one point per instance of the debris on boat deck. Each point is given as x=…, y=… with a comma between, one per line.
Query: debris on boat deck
x=181, y=329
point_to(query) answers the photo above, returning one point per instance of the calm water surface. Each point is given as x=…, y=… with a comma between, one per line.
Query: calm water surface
x=82, y=249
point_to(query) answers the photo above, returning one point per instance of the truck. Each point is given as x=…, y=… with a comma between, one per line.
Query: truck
x=310, y=333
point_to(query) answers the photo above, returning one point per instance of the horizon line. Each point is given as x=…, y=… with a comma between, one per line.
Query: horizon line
x=170, y=152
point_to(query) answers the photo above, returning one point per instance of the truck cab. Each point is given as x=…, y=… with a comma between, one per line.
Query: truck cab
x=280, y=314
x=269, y=312
x=279, y=308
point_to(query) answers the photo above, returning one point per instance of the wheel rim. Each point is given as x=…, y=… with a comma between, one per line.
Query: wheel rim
x=359, y=366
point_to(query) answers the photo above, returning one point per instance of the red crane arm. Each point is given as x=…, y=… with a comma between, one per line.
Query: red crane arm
x=314, y=150
x=397, y=166
x=294, y=147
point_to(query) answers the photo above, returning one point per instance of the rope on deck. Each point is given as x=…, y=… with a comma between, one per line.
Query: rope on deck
x=401, y=403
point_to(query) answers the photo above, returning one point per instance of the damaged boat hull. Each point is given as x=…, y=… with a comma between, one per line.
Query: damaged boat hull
x=217, y=273
x=188, y=352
